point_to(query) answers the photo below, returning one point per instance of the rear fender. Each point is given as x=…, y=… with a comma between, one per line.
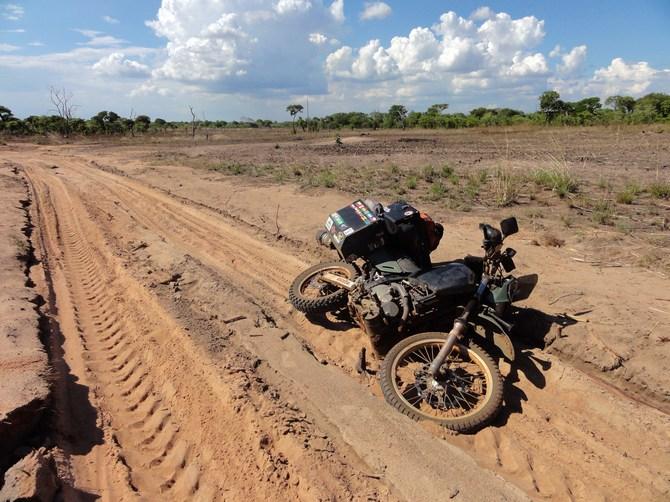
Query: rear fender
x=495, y=331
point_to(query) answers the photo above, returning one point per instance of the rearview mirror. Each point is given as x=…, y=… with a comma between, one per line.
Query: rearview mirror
x=509, y=226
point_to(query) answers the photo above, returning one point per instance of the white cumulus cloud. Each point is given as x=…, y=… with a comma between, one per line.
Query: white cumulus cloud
x=573, y=60
x=375, y=10
x=318, y=38
x=235, y=46
x=621, y=77
x=337, y=10
x=482, y=13
x=117, y=65
x=287, y=6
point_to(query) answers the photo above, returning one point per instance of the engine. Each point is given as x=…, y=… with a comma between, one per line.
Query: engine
x=383, y=308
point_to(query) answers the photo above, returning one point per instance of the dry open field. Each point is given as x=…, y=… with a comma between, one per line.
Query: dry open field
x=180, y=370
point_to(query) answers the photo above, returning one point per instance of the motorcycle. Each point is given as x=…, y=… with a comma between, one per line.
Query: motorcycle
x=389, y=286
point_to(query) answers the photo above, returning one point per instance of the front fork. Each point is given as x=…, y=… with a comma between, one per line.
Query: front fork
x=458, y=330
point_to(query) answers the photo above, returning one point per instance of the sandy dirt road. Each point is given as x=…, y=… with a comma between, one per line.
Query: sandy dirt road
x=201, y=382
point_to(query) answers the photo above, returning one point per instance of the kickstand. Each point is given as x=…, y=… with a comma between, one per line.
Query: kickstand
x=361, y=364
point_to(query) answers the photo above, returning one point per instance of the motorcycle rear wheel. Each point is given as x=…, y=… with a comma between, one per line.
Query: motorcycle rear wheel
x=311, y=295
x=466, y=397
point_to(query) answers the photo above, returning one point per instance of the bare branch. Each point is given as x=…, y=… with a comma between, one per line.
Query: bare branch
x=62, y=100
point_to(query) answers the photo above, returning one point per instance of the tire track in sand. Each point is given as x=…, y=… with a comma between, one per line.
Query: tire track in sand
x=124, y=353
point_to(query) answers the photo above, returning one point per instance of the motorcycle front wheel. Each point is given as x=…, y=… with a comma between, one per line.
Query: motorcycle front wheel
x=310, y=294
x=465, y=396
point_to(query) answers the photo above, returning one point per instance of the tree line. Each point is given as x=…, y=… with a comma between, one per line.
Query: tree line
x=654, y=107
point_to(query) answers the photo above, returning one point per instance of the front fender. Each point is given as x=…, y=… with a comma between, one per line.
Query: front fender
x=495, y=331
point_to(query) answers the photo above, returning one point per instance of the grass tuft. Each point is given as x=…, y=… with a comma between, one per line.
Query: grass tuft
x=506, y=186
x=660, y=190
x=559, y=181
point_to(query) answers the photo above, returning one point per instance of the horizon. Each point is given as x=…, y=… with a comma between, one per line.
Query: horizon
x=234, y=59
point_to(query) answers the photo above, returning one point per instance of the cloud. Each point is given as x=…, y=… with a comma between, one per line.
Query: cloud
x=621, y=77
x=337, y=10
x=18, y=30
x=36, y=44
x=288, y=6
x=12, y=12
x=117, y=65
x=498, y=47
x=8, y=48
x=482, y=13
x=573, y=60
x=233, y=46
x=318, y=38
x=375, y=10
x=99, y=39
x=110, y=20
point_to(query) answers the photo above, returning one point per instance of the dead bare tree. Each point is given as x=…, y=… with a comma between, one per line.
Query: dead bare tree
x=62, y=100
x=193, y=122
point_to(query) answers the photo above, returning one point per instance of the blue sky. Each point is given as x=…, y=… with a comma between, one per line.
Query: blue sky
x=235, y=58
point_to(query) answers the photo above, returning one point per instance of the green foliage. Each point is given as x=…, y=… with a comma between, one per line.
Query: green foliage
x=558, y=180
x=506, y=186
x=603, y=212
x=294, y=110
x=411, y=182
x=654, y=107
x=437, y=191
x=660, y=190
x=396, y=116
x=327, y=179
x=428, y=173
x=628, y=194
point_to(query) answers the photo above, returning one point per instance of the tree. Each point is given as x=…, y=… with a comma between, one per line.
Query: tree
x=551, y=105
x=5, y=114
x=588, y=105
x=294, y=110
x=437, y=109
x=142, y=123
x=193, y=122
x=62, y=100
x=623, y=104
x=397, y=115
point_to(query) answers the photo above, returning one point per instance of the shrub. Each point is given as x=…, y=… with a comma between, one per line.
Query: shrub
x=447, y=171
x=437, y=191
x=625, y=197
x=602, y=212
x=411, y=182
x=559, y=181
x=428, y=173
x=660, y=190
x=327, y=179
x=505, y=187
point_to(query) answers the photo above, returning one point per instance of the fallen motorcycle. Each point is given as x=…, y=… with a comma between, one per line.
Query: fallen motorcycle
x=386, y=281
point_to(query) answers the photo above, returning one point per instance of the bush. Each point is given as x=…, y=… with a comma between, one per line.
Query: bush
x=327, y=179
x=447, y=170
x=505, y=187
x=602, y=212
x=437, y=191
x=660, y=190
x=625, y=197
x=411, y=182
x=559, y=181
x=428, y=173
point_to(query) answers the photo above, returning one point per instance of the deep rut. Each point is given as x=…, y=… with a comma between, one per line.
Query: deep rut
x=124, y=353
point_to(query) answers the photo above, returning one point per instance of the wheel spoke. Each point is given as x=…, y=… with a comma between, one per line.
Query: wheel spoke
x=459, y=392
